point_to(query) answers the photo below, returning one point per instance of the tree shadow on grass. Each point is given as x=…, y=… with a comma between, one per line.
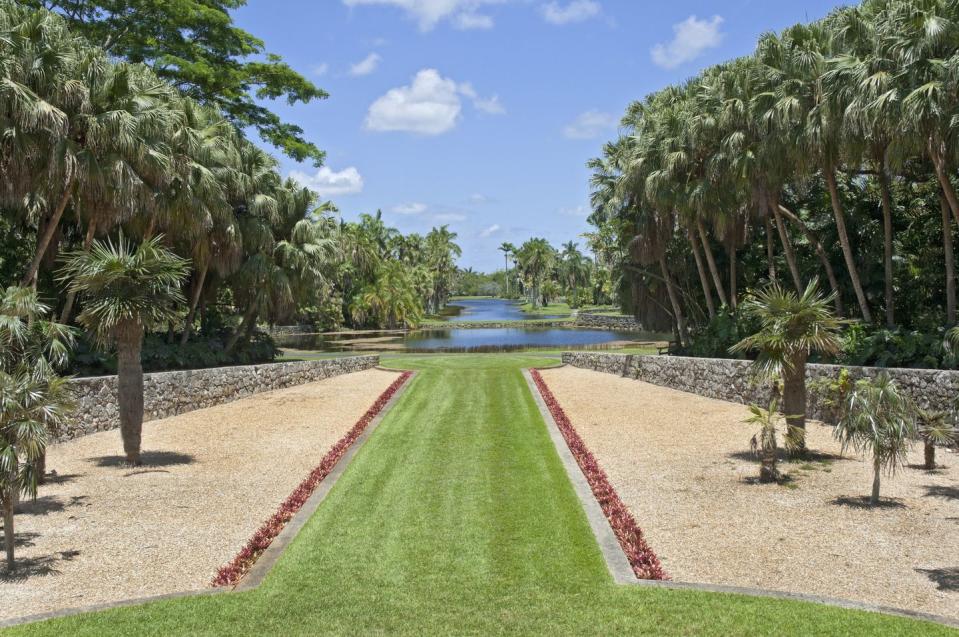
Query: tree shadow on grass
x=862, y=502
x=946, y=579
x=48, y=504
x=942, y=491
x=148, y=459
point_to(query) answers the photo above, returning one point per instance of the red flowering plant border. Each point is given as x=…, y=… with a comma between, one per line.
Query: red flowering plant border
x=264, y=536
x=641, y=557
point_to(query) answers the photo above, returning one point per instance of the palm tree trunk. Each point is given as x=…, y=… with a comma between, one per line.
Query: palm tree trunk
x=9, y=501
x=929, y=455
x=674, y=301
x=942, y=174
x=241, y=328
x=773, y=204
x=194, y=301
x=887, y=244
x=44, y=240
x=821, y=253
x=71, y=295
x=794, y=403
x=731, y=251
x=129, y=337
x=770, y=248
x=830, y=175
x=876, y=471
x=707, y=293
x=713, y=270
x=950, y=261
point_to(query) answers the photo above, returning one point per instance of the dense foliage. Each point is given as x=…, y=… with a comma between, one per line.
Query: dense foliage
x=194, y=45
x=541, y=273
x=94, y=146
x=829, y=153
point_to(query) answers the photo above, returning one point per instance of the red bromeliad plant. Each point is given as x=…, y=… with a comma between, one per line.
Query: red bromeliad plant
x=264, y=536
x=641, y=557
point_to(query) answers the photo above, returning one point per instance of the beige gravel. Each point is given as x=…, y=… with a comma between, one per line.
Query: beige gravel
x=105, y=532
x=680, y=463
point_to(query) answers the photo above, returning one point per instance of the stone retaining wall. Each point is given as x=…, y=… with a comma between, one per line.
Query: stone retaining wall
x=603, y=322
x=731, y=379
x=486, y=325
x=171, y=393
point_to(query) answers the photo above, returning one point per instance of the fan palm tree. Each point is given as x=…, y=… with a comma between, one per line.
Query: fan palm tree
x=878, y=421
x=791, y=327
x=936, y=429
x=33, y=397
x=126, y=290
x=763, y=443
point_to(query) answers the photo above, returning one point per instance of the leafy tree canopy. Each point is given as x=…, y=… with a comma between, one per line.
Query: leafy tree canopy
x=195, y=45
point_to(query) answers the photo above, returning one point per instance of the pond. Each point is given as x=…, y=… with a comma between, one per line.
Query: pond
x=489, y=310
x=462, y=340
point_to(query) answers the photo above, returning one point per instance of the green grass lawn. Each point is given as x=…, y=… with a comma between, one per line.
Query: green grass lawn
x=456, y=517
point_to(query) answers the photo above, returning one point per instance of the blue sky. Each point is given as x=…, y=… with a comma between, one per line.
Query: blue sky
x=481, y=114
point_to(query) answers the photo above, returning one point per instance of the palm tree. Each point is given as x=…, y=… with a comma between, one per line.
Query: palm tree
x=935, y=428
x=507, y=249
x=33, y=397
x=126, y=290
x=877, y=420
x=791, y=327
x=763, y=443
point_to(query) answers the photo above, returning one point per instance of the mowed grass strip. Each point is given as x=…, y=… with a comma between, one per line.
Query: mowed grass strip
x=456, y=517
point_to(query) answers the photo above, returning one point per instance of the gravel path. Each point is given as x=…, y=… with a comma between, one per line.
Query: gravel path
x=103, y=532
x=680, y=463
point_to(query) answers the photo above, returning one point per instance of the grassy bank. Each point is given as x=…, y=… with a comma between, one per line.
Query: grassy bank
x=457, y=517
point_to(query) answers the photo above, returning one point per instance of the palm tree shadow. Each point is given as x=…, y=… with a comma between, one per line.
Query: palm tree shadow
x=783, y=456
x=53, y=477
x=48, y=504
x=41, y=566
x=862, y=502
x=942, y=491
x=147, y=458
x=946, y=579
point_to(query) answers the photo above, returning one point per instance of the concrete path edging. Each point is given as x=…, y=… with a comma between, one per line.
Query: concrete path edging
x=265, y=562
x=622, y=572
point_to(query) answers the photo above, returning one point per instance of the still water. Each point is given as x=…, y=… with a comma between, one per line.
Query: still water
x=489, y=310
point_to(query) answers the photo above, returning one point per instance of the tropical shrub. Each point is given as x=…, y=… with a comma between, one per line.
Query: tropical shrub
x=763, y=443
x=879, y=423
x=935, y=428
x=832, y=394
x=33, y=397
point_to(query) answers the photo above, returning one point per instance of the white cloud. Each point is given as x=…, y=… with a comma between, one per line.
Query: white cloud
x=321, y=69
x=463, y=14
x=327, y=183
x=489, y=105
x=467, y=21
x=366, y=66
x=430, y=105
x=690, y=38
x=590, y=125
x=478, y=198
x=411, y=208
x=579, y=211
x=490, y=231
x=575, y=11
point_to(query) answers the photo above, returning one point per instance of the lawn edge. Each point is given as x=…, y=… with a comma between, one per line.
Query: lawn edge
x=255, y=560
x=632, y=547
x=613, y=561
